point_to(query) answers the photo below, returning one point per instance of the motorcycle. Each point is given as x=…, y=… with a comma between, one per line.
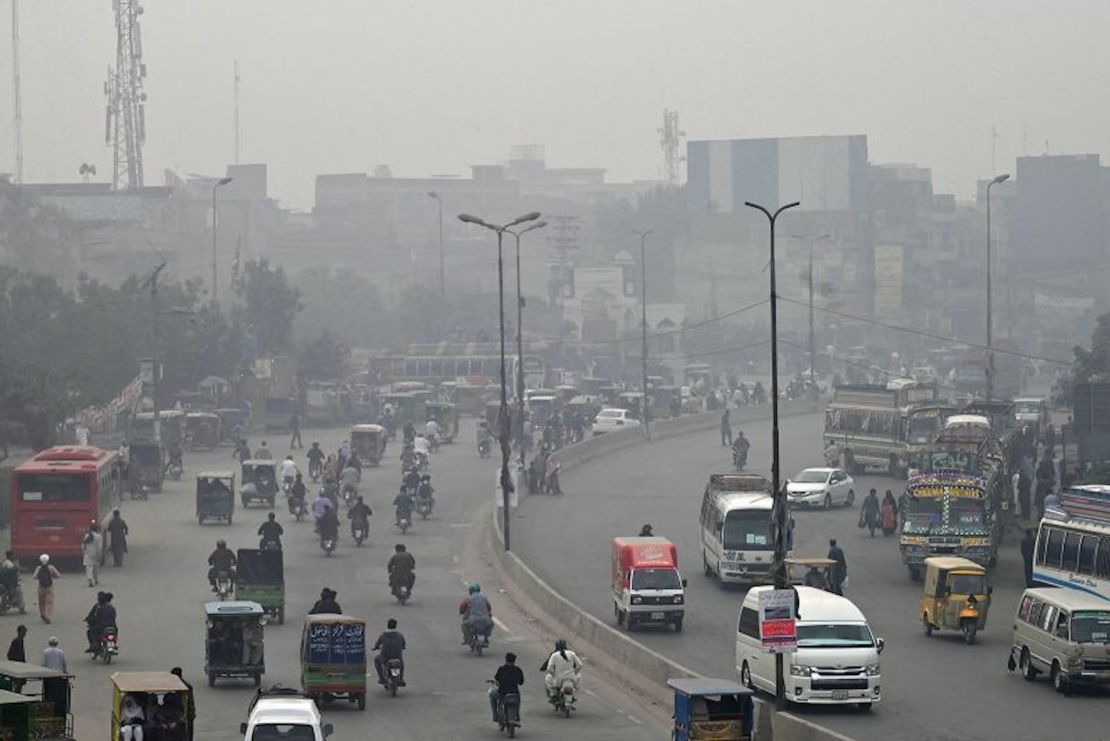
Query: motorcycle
x=360, y=530
x=508, y=712
x=393, y=676
x=424, y=504
x=287, y=485
x=404, y=521
x=297, y=507
x=401, y=592
x=12, y=598
x=174, y=469
x=328, y=546
x=223, y=585
x=315, y=469
x=269, y=544
x=350, y=494
x=140, y=491
x=433, y=443
x=484, y=447
x=564, y=700
x=477, y=640
x=739, y=459
x=421, y=460
x=108, y=646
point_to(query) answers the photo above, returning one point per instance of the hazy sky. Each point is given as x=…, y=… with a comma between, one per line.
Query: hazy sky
x=432, y=86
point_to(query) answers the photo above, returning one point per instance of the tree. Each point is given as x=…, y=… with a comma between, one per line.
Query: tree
x=269, y=306
x=1094, y=364
x=343, y=303
x=36, y=236
x=323, y=357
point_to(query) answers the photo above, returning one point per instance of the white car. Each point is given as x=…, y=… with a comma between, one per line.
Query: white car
x=612, y=419
x=821, y=487
x=284, y=715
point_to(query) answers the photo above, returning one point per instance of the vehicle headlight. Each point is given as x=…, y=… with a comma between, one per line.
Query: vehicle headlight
x=1073, y=663
x=678, y=599
x=800, y=670
x=637, y=600
x=872, y=670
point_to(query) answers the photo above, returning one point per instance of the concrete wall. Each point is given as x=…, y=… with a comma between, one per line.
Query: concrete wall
x=619, y=650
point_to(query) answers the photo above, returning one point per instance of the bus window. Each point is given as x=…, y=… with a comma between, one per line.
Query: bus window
x=46, y=487
x=436, y=368
x=410, y=368
x=1087, y=550
x=1071, y=551
x=1102, y=558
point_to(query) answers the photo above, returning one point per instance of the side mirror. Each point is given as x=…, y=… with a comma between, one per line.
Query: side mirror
x=243, y=728
x=328, y=729
x=683, y=583
x=879, y=644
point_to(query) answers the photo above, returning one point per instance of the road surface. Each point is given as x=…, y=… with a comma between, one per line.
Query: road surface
x=933, y=688
x=162, y=587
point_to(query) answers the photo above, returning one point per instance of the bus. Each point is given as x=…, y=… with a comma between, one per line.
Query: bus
x=56, y=494
x=882, y=426
x=434, y=369
x=1073, y=542
x=736, y=542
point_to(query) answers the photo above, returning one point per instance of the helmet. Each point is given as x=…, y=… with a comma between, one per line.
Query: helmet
x=561, y=645
x=474, y=587
x=44, y=559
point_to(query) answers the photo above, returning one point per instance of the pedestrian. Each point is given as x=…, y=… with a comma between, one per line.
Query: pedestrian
x=191, y=707
x=53, y=657
x=1028, y=543
x=838, y=574
x=1024, y=490
x=726, y=430
x=45, y=574
x=869, y=512
x=1050, y=441
x=295, y=428
x=16, y=652
x=91, y=551
x=888, y=514
x=117, y=528
x=645, y=532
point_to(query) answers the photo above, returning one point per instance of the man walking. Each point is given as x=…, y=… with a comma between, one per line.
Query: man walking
x=91, y=550
x=1028, y=543
x=16, y=651
x=839, y=571
x=295, y=428
x=53, y=657
x=726, y=430
x=118, y=531
x=1024, y=490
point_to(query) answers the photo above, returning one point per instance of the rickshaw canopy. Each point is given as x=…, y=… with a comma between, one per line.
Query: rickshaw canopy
x=156, y=682
x=232, y=609
x=25, y=671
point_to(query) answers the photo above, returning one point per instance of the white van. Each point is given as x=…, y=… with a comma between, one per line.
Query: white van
x=1064, y=633
x=837, y=661
x=736, y=528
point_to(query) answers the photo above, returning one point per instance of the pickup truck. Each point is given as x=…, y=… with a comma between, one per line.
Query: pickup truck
x=284, y=714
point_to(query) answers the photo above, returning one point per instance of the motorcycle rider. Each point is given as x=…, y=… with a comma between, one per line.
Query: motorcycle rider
x=328, y=525
x=315, y=460
x=562, y=665
x=297, y=494
x=740, y=449
x=262, y=453
x=9, y=581
x=350, y=478
x=319, y=505
x=326, y=604
x=431, y=432
x=421, y=448
x=409, y=433
x=401, y=568
x=242, y=451
x=175, y=455
x=425, y=490
x=222, y=559
x=403, y=504
x=477, y=614
x=271, y=532
x=289, y=470
x=359, y=514
x=411, y=481
x=507, y=681
x=101, y=616
x=390, y=645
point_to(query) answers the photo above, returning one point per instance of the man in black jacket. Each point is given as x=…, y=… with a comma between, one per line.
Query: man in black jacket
x=390, y=645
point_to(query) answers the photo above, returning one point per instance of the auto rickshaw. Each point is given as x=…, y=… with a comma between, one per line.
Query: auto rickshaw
x=811, y=572
x=230, y=418
x=368, y=442
x=202, y=430
x=446, y=416
x=16, y=718
x=148, y=464
x=233, y=641
x=50, y=713
x=492, y=412
x=171, y=427
x=333, y=658
x=955, y=595
x=260, y=577
x=259, y=482
x=165, y=700
x=712, y=710
x=215, y=496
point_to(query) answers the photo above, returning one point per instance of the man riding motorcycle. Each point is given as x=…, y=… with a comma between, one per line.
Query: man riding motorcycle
x=359, y=515
x=425, y=490
x=401, y=568
x=315, y=461
x=9, y=582
x=431, y=432
x=297, y=494
x=270, y=532
x=411, y=481
x=477, y=615
x=349, y=481
x=403, y=505
x=320, y=505
x=562, y=666
x=390, y=645
x=101, y=616
x=289, y=471
x=222, y=559
x=422, y=451
x=328, y=525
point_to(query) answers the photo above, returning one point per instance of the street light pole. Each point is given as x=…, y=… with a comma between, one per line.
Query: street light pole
x=812, y=343
x=520, y=340
x=990, y=328
x=219, y=184
x=643, y=235
x=434, y=195
x=779, y=559
x=503, y=413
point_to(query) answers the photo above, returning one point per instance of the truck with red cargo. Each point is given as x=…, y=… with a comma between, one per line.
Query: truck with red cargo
x=647, y=587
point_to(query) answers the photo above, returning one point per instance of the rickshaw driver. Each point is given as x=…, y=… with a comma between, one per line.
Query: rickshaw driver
x=222, y=559
x=814, y=578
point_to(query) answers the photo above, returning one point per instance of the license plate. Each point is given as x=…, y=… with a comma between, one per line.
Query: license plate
x=840, y=694
x=656, y=616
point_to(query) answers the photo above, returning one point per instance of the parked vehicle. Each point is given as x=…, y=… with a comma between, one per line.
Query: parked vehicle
x=36, y=701
x=821, y=487
x=647, y=588
x=612, y=419
x=1064, y=634
x=955, y=595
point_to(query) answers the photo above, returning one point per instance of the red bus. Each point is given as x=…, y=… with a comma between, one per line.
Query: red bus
x=56, y=494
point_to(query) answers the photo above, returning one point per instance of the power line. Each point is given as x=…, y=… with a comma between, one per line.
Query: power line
x=696, y=325
x=856, y=363
x=923, y=333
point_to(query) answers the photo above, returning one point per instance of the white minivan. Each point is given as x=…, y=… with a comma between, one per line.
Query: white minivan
x=1063, y=634
x=837, y=661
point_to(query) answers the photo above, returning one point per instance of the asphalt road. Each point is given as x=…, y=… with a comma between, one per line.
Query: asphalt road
x=933, y=688
x=161, y=589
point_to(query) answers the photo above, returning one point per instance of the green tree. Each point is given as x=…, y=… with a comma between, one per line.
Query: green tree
x=1094, y=364
x=36, y=236
x=323, y=357
x=269, y=304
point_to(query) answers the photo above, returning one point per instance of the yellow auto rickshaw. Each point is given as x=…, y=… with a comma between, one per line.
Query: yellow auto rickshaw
x=955, y=596
x=165, y=701
x=811, y=572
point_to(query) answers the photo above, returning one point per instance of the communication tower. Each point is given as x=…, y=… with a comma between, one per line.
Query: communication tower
x=17, y=96
x=671, y=142
x=125, y=129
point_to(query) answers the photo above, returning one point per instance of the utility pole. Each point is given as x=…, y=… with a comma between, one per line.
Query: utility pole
x=812, y=343
x=152, y=283
x=236, y=111
x=990, y=330
x=435, y=196
x=779, y=519
x=520, y=339
x=219, y=183
x=17, y=96
x=126, y=114
x=564, y=239
x=643, y=235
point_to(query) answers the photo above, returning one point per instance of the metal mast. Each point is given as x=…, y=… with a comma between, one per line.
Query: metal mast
x=17, y=96
x=670, y=141
x=126, y=119
x=237, y=112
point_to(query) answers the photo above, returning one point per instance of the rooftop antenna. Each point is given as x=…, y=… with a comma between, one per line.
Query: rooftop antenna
x=17, y=96
x=670, y=141
x=236, y=111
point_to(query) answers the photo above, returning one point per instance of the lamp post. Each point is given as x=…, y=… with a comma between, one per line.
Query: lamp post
x=434, y=195
x=812, y=344
x=990, y=329
x=643, y=235
x=503, y=413
x=520, y=339
x=779, y=516
x=219, y=184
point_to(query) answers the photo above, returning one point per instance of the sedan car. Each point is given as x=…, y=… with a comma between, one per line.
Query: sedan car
x=612, y=419
x=821, y=487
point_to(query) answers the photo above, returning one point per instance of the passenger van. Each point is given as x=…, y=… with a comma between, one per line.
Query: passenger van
x=736, y=543
x=837, y=661
x=1063, y=633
